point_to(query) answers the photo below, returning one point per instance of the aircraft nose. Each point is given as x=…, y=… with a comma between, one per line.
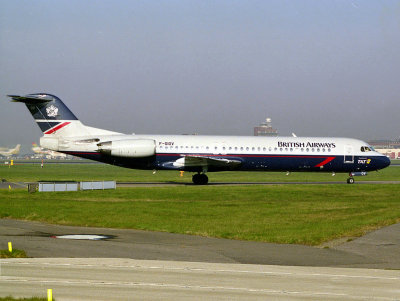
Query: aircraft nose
x=387, y=162
x=384, y=162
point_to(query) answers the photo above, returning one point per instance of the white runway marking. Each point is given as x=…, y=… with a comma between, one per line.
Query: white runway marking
x=205, y=270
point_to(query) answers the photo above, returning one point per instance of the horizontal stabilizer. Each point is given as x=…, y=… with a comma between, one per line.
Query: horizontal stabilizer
x=32, y=98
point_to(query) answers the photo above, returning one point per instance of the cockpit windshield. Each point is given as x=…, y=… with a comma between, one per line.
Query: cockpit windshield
x=366, y=149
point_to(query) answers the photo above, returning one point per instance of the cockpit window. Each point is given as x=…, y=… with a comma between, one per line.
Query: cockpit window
x=366, y=149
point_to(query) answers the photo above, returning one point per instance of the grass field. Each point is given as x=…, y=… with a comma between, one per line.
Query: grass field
x=79, y=172
x=303, y=214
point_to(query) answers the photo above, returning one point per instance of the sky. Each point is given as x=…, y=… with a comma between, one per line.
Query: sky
x=317, y=68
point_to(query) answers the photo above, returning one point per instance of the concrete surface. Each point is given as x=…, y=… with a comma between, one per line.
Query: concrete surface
x=128, y=279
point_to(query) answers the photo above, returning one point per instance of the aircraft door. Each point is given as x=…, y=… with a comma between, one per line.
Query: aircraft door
x=348, y=154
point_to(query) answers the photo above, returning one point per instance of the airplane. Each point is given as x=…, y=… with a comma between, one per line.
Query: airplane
x=8, y=152
x=63, y=132
x=45, y=152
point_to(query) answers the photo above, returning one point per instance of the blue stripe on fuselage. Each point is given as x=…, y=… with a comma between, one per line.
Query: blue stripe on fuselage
x=261, y=162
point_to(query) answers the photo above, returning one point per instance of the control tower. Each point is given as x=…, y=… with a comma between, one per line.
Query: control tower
x=265, y=129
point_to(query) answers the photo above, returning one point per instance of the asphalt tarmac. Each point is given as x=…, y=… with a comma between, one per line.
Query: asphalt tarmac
x=144, y=265
x=379, y=249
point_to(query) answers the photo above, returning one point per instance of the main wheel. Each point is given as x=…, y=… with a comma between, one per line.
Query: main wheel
x=196, y=179
x=350, y=181
x=200, y=179
x=204, y=179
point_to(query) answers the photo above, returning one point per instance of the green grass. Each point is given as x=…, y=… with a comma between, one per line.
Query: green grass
x=88, y=172
x=301, y=214
x=304, y=214
x=14, y=254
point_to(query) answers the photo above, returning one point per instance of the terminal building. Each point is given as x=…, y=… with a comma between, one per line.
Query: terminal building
x=389, y=148
x=265, y=129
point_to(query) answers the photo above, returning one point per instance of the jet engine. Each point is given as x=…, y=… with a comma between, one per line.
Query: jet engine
x=132, y=148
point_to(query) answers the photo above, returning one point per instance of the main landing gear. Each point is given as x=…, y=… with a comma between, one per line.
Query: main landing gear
x=350, y=180
x=200, y=179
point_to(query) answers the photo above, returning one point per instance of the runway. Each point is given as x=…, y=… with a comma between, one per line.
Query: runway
x=163, y=266
x=127, y=279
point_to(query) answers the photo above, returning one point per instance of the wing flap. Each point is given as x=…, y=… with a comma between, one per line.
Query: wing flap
x=201, y=161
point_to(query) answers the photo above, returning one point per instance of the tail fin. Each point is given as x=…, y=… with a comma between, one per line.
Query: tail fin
x=54, y=118
x=51, y=114
x=16, y=150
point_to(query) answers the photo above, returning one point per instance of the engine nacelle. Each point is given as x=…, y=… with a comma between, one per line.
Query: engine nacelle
x=132, y=148
x=51, y=143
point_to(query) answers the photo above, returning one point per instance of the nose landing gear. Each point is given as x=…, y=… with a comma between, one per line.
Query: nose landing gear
x=200, y=179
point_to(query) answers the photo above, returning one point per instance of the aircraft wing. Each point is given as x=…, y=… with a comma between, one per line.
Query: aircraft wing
x=201, y=161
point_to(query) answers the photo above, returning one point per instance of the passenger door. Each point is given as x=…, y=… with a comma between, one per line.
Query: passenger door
x=348, y=154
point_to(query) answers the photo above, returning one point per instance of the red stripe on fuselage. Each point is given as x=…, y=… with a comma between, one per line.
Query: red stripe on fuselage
x=326, y=161
x=55, y=129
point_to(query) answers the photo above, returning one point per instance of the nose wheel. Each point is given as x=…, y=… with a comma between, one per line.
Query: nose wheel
x=350, y=180
x=200, y=179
